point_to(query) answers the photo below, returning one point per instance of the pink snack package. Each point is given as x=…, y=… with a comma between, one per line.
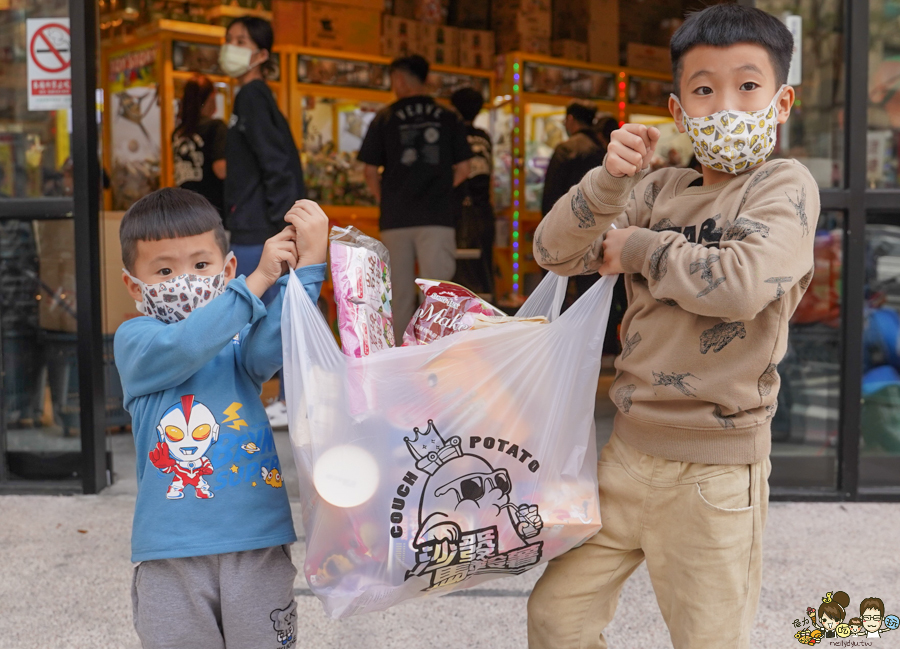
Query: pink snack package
x=447, y=309
x=363, y=330
x=360, y=273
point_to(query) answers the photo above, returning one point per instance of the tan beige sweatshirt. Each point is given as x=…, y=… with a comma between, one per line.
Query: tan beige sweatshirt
x=712, y=278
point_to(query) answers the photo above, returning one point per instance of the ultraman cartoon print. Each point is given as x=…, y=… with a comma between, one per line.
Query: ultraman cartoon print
x=468, y=523
x=186, y=432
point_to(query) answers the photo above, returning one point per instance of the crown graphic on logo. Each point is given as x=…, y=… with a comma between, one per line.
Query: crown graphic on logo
x=431, y=451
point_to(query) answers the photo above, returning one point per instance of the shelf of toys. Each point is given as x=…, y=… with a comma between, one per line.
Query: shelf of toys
x=527, y=122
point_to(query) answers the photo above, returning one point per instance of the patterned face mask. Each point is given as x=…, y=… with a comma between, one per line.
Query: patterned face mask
x=175, y=299
x=732, y=140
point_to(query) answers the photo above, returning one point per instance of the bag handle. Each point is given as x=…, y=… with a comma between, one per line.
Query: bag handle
x=547, y=298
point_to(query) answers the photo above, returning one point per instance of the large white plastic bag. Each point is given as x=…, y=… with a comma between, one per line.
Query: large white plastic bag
x=500, y=476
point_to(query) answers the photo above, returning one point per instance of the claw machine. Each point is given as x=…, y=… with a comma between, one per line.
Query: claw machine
x=527, y=121
x=334, y=96
x=143, y=78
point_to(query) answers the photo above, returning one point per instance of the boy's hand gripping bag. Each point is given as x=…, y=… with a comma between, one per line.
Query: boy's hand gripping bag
x=428, y=469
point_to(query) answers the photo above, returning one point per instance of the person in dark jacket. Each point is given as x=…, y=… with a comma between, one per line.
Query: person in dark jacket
x=264, y=174
x=198, y=143
x=572, y=159
x=584, y=150
x=476, y=226
x=264, y=178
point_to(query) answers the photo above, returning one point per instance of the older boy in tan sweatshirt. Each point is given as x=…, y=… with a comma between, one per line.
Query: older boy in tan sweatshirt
x=715, y=265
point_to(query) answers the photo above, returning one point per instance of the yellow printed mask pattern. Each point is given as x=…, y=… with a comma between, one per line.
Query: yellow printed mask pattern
x=733, y=141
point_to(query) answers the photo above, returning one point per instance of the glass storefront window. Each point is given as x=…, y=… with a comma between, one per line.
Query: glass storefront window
x=333, y=132
x=814, y=134
x=39, y=348
x=880, y=426
x=34, y=145
x=40, y=418
x=805, y=426
x=883, y=138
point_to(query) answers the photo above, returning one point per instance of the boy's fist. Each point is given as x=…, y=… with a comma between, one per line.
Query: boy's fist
x=630, y=149
x=311, y=225
x=279, y=251
x=613, y=244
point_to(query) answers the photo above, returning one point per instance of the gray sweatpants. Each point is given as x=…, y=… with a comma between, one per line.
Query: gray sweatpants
x=238, y=600
x=434, y=247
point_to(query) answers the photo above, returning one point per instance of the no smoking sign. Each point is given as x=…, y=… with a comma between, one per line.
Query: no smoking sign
x=49, y=64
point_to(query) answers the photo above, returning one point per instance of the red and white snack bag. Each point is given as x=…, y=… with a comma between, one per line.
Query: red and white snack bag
x=360, y=272
x=448, y=308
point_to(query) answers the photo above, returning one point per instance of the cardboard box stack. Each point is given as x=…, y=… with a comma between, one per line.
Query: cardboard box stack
x=351, y=26
x=289, y=21
x=471, y=14
x=570, y=49
x=649, y=57
x=592, y=22
x=522, y=25
x=439, y=44
x=476, y=49
x=400, y=36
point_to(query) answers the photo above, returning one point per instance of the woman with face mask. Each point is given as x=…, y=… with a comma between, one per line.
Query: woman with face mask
x=264, y=174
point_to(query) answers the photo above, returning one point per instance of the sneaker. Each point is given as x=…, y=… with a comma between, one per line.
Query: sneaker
x=278, y=415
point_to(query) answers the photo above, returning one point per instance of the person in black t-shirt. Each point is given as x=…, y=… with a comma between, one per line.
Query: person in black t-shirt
x=424, y=153
x=198, y=143
x=476, y=221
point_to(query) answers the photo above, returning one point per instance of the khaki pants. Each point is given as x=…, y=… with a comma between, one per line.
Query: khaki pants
x=699, y=527
x=434, y=247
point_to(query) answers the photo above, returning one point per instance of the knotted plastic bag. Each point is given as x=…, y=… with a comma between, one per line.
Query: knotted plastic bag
x=429, y=469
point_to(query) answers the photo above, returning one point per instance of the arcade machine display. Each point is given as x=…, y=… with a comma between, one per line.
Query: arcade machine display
x=143, y=79
x=527, y=122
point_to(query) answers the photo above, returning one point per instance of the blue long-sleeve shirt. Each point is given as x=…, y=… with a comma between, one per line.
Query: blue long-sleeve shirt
x=209, y=478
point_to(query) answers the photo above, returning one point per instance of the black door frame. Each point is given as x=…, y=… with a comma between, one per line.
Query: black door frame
x=84, y=209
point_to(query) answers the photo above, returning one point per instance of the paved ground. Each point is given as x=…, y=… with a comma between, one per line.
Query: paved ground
x=66, y=579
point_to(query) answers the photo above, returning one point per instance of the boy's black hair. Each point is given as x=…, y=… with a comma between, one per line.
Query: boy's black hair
x=468, y=102
x=725, y=24
x=582, y=111
x=413, y=65
x=261, y=34
x=168, y=213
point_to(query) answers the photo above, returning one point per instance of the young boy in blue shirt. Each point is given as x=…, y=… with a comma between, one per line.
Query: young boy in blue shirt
x=212, y=524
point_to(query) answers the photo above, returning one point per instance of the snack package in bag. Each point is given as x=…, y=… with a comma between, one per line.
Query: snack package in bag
x=431, y=468
x=361, y=274
x=447, y=309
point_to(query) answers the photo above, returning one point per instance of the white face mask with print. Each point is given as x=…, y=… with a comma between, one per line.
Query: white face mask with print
x=234, y=60
x=173, y=300
x=733, y=141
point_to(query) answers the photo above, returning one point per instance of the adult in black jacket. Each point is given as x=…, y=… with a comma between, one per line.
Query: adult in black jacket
x=264, y=173
x=572, y=159
x=584, y=150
